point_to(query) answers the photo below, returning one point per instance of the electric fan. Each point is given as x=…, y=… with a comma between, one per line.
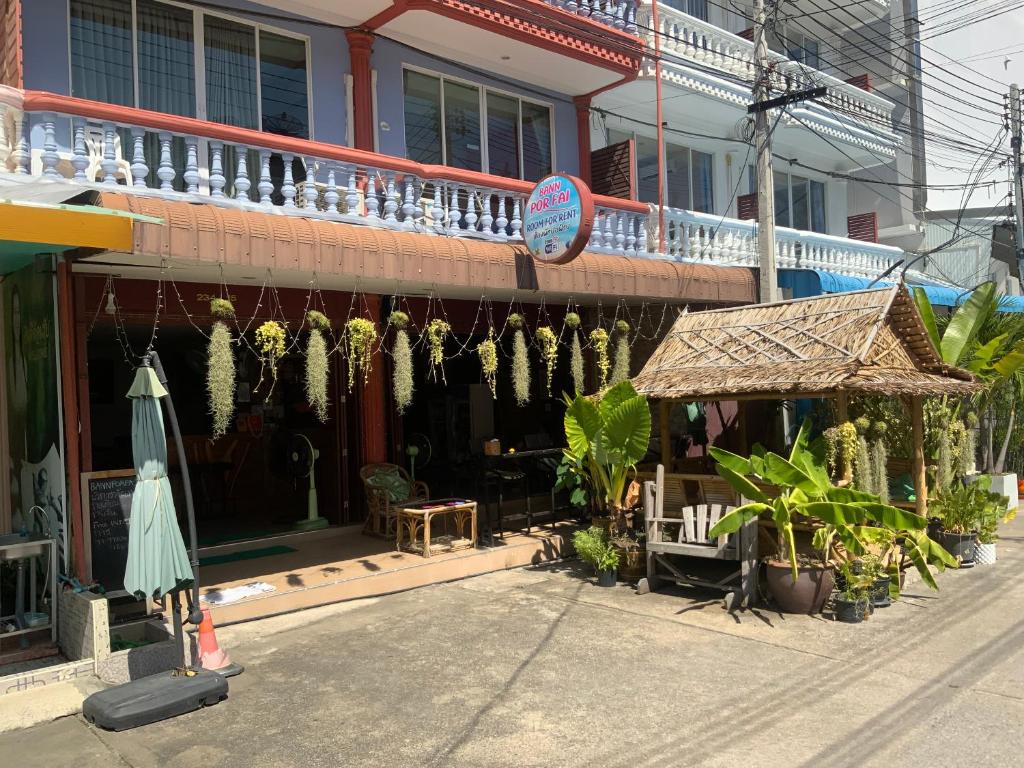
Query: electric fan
x=419, y=451
x=302, y=458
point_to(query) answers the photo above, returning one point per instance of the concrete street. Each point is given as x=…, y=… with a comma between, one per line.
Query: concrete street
x=540, y=667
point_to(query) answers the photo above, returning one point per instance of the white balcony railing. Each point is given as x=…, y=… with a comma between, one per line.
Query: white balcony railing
x=705, y=44
x=713, y=239
x=141, y=152
x=620, y=14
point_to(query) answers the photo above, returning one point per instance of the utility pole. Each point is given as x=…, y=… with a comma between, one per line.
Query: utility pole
x=765, y=181
x=1018, y=186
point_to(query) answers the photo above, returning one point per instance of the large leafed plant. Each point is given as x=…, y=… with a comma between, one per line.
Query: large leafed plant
x=608, y=437
x=805, y=494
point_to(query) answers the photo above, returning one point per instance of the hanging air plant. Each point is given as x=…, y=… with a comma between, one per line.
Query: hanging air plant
x=548, y=351
x=402, y=353
x=488, y=352
x=360, y=337
x=270, y=338
x=437, y=332
x=220, y=371
x=572, y=322
x=880, y=461
x=621, y=370
x=316, y=363
x=599, y=340
x=520, y=361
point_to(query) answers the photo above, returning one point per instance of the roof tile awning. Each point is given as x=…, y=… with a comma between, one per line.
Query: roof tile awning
x=234, y=237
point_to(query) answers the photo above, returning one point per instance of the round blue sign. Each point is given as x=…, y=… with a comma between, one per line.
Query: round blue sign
x=558, y=218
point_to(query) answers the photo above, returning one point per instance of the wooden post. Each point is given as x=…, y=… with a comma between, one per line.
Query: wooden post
x=920, y=477
x=741, y=428
x=664, y=407
x=842, y=407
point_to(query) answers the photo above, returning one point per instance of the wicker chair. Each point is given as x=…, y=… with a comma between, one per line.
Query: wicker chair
x=388, y=487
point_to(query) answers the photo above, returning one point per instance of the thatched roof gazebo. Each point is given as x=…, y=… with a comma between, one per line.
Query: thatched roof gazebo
x=870, y=342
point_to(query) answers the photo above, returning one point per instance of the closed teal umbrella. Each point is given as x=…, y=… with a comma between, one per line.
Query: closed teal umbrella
x=157, y=561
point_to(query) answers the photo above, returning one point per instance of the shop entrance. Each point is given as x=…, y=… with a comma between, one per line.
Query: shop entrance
x=247, y=484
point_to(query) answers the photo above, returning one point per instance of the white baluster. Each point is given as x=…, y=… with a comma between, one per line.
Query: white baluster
x=242, y=181
x=437, y=209
x=165, y=169
x=517, y=222
x=487, y=218
x=191, y=174
x=595, y=232
x=390, y=199
x=471, y=217
x=641, y=242
x=331, y=196
x=631, y=226
x=265, y=186
x=352, y=190
x=79, y=153
x=453, y=211
x=372, y=204
x=138, y=166
x=109, y=162
x=22, y=154
x=501, y=223
x=50, y=157
x=217, y=180
x=288, y=184
x=408, y=204
x=310, y=193
x=620, y=233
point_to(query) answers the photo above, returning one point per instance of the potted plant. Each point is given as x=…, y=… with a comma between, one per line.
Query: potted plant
x=802, y=491
x=594, y=547
x=853, y=602
x=607, y=436
x=876, y=572
x=958, y=508
x=993, y=511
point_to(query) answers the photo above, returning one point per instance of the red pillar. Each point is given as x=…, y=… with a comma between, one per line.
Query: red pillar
x=583, y=135
x=373, y=420
x=69, y=398
x=360, y=45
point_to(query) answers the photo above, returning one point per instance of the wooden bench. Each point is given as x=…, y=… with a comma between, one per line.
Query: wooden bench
x=678, y=521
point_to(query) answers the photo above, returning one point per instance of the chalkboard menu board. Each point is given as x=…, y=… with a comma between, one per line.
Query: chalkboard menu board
x=106, y=507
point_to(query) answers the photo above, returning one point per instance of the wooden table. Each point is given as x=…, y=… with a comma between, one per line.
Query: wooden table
x=414, y=526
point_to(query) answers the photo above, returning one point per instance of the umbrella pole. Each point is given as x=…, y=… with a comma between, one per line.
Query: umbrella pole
x=195, y=615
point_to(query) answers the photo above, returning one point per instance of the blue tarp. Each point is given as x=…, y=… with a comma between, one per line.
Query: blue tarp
x=814, y=282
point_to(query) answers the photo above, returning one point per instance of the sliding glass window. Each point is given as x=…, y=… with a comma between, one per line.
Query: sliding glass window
x=449, y=122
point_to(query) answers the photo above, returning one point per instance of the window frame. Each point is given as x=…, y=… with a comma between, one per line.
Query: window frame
x=199, y=55
x=634, y=136
x=808, y=179
x=482, y=91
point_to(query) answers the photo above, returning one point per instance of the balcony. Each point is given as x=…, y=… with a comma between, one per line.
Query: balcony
x=703, y=237
x=135, y=151
x=566, y=46
x=694, y=51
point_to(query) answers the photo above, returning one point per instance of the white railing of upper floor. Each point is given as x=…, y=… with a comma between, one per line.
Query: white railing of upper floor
x=620, y=14
x=140, y=152
x=692, y=39
x=703, y=237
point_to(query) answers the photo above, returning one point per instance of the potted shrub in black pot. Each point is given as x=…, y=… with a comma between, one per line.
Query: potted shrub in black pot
x=853, y=601
x=959, y=509
x=594, y=547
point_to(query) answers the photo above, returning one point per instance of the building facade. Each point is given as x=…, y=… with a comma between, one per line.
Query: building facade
x=362, y=158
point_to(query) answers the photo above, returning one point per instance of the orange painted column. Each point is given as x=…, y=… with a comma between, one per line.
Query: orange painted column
x=583, y=135
x=360, y=46
x=372, y=417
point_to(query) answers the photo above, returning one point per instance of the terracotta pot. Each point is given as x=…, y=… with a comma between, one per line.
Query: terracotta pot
x=807, y=594
x=632, y=564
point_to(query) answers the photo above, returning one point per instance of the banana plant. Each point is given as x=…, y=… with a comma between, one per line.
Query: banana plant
x=607, y=438
x=806, y=494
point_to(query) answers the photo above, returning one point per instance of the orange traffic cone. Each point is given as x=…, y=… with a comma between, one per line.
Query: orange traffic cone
x=211, y=657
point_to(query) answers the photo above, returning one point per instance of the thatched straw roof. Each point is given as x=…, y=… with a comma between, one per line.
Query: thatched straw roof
x=867, y=341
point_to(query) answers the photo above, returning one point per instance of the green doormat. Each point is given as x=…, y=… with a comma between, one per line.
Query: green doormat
x=245, y=554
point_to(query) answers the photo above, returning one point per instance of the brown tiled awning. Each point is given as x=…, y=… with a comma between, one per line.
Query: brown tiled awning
x=211, y=234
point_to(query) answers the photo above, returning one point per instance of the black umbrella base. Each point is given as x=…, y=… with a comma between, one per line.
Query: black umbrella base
x=153, y=698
